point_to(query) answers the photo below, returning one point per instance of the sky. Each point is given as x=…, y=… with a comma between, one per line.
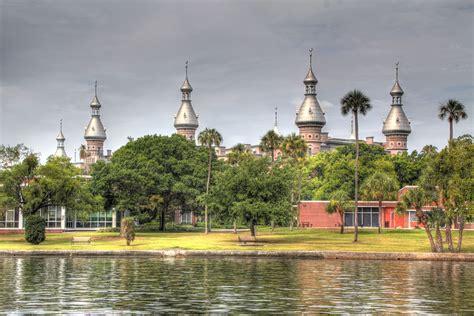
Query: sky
x=245, y=59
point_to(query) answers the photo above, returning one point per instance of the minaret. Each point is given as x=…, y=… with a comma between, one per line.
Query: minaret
x=95, y=133
x=186, y=120
x=310, y=117
x=60, y=152
x=275, y=126
x=396, y=127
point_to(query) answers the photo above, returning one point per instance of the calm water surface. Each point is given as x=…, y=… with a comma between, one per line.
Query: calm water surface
x=239, y=285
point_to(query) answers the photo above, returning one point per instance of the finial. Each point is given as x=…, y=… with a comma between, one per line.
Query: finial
x=276, y=116
x=61, y=125
x=186, y=66
x=96, y=88
x=396, y=69
x=310, y=57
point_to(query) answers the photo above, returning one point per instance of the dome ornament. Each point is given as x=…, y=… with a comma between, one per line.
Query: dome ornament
x=186, y=67
x=396, y=70
x=310, y=57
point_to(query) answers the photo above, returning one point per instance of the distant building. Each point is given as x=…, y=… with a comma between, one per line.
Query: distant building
x=60, y=152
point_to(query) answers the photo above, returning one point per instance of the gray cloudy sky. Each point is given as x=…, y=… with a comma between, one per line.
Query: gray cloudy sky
x=245, y=59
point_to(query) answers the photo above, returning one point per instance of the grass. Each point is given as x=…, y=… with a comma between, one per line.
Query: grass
x=281, y=239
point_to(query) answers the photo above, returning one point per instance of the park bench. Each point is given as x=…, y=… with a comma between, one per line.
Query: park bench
x=249, y=241
x=306, y=224
x=75, y=240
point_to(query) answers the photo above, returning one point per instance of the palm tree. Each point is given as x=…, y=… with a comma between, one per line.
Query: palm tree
x=417, y=198
x=209, y=137
x=379, y=186
x=237, y=154
x=82, y=152
x=295, y=148
x=355, y=102
x=429, y=150
x=270, y=142
x=340, y=203
x=454, y=111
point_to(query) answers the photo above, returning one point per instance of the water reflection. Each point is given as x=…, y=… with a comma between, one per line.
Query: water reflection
x=257, y=285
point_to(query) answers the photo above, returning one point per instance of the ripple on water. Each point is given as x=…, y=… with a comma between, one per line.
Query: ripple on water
x=222, y=285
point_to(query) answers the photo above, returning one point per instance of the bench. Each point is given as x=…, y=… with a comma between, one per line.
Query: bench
x=306, y=224
x=80, y=239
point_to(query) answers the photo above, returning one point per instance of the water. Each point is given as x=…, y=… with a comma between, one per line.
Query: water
x=239, y=285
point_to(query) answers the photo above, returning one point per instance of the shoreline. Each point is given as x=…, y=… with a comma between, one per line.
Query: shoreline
x=176, y=253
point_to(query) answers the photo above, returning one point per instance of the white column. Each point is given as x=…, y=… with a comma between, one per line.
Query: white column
x=20, y=220
x=63, y=217
x=114, y=218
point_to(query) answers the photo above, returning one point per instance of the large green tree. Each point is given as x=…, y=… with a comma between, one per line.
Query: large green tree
x=237, y=154
x=152, y=177
x=355, y=102
x=270, y=142
x=454, y=111
x=209, y=138
x=254, y=191
x=380, y=186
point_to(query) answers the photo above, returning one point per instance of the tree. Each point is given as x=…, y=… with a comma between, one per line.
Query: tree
x=340, y=203
x=355, y=102
x=294, y=149
x=12, y=155
x=208, y=138
x=237, y=154
x=82, y=152
x=418, y=198
x=35, y=229
x=256, y=190
x=270, y=142
x=152, y=177
x=454, y=111
x=379, y=187
x=128, y=229
x=429, y=150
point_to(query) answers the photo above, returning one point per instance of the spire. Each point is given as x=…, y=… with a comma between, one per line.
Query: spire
x=60, y=152
x=396, y=121
x=186, y=88
x=310, y=112
x=310, y=81
x=275, y=127
x=186, y=118
x=95, y=130
x=352, y=128
x=396, y=91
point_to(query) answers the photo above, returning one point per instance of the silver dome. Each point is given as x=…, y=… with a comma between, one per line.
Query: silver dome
x=396, y=89
x=186, y=87
x=310, y=112
x=396, y=122
x=95, y=129
x=186, y=117
x=310, y=77
x=60, y=136
x=95, y=102
x=60, y=152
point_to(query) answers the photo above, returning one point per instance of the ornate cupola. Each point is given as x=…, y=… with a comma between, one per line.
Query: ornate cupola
x=186, y=120
x=396, y=126
x=310, y=117
x=95, y=133
x=60, y=152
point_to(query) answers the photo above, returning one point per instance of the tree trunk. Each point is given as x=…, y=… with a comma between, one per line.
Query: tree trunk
x=273, y=225
x=162, y=220
x=450, y=129
x=380, y=217
x=439, y=239
x=235, y=227
x=300, y=180
x=449, y=236
x=461, y=230
x=273, y=154
x=206, y=224
x=253, y=228
x=342, y=222
x=430, y=238
x=356, y=182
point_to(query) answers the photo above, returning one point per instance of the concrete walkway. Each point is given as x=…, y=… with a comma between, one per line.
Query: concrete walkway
x=335, y=255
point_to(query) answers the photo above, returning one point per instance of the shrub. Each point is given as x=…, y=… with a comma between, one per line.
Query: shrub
x=128, y=229
x=35, y=229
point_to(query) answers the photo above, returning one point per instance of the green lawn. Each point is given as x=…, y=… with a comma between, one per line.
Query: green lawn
x=280, y=239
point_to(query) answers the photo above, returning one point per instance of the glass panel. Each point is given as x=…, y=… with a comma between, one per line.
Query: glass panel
x=349, y=219
x=375, y=219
